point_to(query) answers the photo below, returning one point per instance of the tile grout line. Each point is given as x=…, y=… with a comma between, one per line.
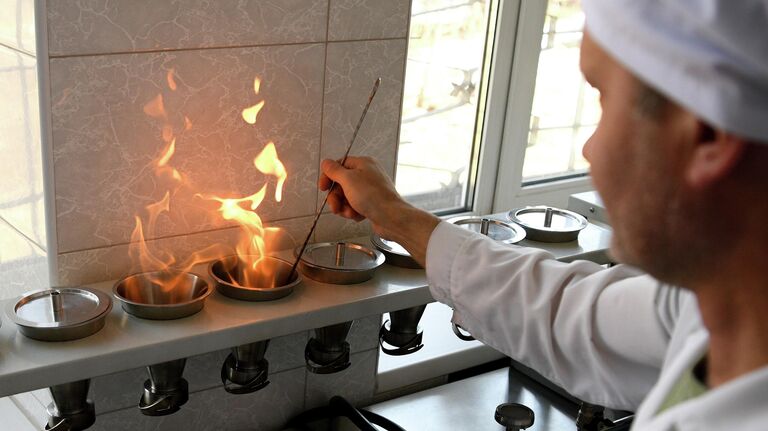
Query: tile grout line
x=179, y=235
x=212, y=48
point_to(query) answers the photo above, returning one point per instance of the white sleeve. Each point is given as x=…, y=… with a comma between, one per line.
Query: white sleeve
x=598, y=333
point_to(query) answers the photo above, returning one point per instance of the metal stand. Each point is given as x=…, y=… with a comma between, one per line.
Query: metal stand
x=245, y=370
x=328, y=352
x=71, y=410
x=165, y=391
x=403, y=332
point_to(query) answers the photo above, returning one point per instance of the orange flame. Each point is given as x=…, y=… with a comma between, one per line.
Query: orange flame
x=171, y=81
x=254, y=238
x=156, y=108
x=250, y=114
x=268, y=163
x=251, y=245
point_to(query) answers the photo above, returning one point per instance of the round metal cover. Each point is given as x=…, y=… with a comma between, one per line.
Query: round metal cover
x=508, y=233
x=548, y=224
x=60, y=307
x=344, y=256
x=395, y=253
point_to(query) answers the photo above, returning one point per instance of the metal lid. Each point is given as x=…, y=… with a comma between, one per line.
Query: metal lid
x=342, y=256
x=548, y=223
x=388, y=246
x=60, y=307
x=508, y=233
x=394, y=253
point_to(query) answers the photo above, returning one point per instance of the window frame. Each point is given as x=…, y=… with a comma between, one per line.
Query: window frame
x=499, y=181
x=495, y=183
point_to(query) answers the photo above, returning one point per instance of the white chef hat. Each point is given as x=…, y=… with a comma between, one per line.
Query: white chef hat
x=709, y=56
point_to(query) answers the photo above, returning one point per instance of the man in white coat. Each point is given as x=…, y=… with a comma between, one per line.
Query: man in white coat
x=680, y=158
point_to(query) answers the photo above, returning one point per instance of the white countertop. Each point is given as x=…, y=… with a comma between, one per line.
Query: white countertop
x=128, y=342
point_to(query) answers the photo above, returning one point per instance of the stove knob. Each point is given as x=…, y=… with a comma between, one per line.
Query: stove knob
x=514, y=416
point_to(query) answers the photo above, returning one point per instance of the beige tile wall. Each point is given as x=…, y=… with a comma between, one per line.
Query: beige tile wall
x=317, y=60
x=98, y=26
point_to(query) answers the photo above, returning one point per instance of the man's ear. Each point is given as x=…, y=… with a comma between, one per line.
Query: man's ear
x=713, y=157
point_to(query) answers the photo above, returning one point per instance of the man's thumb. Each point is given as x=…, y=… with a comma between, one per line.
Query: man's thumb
x=332, y=169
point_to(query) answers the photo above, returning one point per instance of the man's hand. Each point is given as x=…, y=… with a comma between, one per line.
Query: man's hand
x=363, y=190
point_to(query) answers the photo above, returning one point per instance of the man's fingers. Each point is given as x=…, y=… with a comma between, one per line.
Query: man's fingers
x=336, y=202
x=333, y=170
x=324, y=183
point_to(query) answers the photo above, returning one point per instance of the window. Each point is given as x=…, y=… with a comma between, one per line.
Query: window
x=443, y=102
x=495, y=109
x=565, y=108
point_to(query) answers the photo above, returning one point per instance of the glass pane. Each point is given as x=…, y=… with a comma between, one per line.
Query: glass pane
x=565, y=108
x=444, y=74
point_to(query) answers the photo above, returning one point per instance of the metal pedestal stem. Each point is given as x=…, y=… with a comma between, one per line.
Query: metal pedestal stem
x=165, y=391
x=71, y=410
x=328, y=352
x=245, y=370
x=403, y=332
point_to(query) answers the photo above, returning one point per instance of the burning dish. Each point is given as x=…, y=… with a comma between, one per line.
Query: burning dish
x=162, y=295
x=262, y=278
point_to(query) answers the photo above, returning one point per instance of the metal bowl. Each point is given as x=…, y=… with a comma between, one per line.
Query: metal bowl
x=508, y=233
x=394, y=253
x=548, y=224
x=60, y=314
x=339, y=262
x=162, y=295
x=268, y=281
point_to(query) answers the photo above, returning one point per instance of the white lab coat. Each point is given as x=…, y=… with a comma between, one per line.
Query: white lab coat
x=614, y=337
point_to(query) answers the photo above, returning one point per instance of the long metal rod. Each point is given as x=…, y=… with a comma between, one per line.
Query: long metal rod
x=333, y=184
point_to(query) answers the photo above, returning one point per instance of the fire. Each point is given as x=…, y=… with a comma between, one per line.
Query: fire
x=268, y=163
x=255, y=238
x=252, y=246
x=171, y=80
x=156, y=107
x=250, y=114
